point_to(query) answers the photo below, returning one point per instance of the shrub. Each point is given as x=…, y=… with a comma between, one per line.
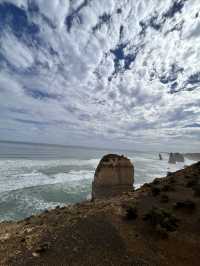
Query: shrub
x=155, y=191
x=131, y=212
x=156, y=181
x=187, y=204
x=162, y=218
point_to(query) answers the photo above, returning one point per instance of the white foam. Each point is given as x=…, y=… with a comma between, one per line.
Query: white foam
x=19, y=174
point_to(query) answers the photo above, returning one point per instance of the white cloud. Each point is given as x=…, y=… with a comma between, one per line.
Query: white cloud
x=55, y=10
x=69, y=83
x=16, y=52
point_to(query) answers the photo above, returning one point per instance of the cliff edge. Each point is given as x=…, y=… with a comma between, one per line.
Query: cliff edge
x=158, y=224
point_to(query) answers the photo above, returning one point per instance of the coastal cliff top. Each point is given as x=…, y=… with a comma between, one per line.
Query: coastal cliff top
x=158, y=224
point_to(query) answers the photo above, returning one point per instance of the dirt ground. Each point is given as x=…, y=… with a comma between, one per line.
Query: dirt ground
x=158, y=224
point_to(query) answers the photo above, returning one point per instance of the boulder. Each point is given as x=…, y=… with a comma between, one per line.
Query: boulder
x=113, y=176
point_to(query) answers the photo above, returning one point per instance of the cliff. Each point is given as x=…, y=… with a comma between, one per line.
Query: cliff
x=158, y=224
x=193, y=156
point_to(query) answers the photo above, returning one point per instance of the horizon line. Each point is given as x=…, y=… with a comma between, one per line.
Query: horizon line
x=66, y=145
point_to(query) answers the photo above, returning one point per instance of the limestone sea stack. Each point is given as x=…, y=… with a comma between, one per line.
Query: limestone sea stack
x=172, y=159
x=176, y=157
x=113, y=176
x=179, y=157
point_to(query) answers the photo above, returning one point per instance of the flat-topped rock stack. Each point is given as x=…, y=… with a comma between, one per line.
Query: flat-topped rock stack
x=176, y=157
x=113, y=176
x=179, y=157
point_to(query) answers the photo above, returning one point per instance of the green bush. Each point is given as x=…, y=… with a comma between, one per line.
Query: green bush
x=163, y=218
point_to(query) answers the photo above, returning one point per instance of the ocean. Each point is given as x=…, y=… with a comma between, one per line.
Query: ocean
x=35, y=177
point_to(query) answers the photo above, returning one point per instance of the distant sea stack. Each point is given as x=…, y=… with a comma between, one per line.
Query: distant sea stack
x=113, y=176
x=179, y=157
x=176, y=157
x=171, y=158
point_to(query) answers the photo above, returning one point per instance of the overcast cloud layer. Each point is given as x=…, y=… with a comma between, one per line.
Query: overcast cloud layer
x=119, y=73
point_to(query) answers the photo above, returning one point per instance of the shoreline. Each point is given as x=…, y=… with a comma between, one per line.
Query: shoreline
x=101, y=233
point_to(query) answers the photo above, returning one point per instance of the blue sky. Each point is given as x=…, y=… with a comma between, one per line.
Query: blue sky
x=115, y=73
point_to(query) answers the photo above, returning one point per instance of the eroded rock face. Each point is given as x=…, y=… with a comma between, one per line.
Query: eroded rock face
x=179, y=157
x=113, y=176
x=172, y=159
x=176, y=157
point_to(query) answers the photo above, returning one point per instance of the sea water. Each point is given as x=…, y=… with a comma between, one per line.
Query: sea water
x=35, y=177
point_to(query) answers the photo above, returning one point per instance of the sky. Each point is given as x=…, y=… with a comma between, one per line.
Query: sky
x=105, y=73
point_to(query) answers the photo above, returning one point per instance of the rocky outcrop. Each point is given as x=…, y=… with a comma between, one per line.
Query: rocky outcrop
x=176, y=157
x=113, y=176
x=171, y=158
x=179, y=157
x=193, y=156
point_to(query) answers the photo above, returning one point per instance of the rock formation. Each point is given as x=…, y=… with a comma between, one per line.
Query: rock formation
x=176, y=157
x=193, y=156
x=160, y=156
x=171, y=158
x=113, y=176
x=179, y=157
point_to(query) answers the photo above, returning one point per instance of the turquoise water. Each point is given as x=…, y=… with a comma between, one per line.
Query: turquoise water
x=37, y=177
